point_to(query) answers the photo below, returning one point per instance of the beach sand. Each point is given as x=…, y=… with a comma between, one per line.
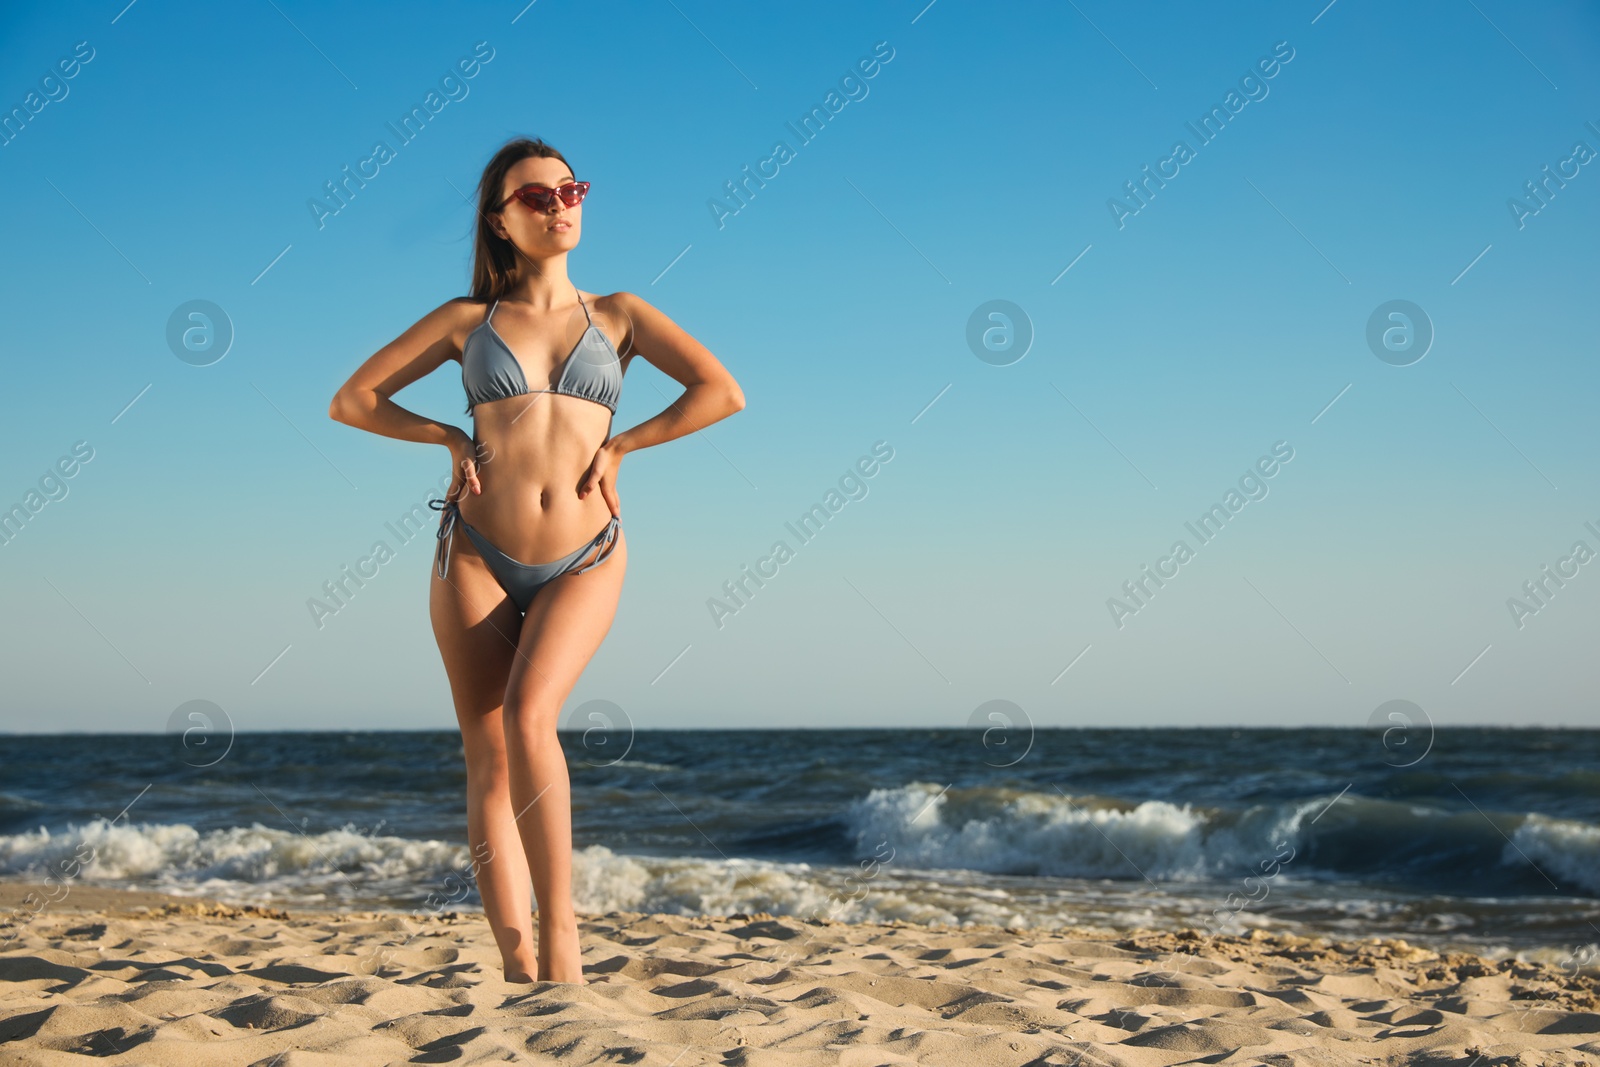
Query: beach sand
x=139, y=978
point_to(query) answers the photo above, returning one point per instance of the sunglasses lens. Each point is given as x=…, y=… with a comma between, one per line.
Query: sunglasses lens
x=538, y=197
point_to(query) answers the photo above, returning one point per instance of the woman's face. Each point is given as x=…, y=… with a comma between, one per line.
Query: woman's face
x=538, y=234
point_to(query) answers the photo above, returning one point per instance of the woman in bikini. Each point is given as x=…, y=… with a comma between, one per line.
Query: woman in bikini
x=522, y=601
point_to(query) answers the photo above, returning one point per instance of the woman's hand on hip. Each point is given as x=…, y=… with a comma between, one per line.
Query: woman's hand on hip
x=603, y=473
x=464, y=466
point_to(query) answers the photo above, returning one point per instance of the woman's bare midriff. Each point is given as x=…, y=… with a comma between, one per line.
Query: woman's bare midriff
x=534, y=452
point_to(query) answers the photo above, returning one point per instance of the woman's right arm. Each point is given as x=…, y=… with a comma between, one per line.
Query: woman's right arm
x=363, y=401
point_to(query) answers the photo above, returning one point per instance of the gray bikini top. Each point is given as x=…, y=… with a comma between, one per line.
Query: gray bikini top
x=491, y=371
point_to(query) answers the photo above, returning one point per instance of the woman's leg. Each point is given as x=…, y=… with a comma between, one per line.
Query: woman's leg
x=564, y=626
x=476, y=627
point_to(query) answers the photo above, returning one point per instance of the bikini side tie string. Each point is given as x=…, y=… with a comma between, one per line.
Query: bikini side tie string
x=608, y=541
x=446, y=535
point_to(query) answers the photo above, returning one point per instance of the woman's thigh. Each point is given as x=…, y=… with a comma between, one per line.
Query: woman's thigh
x=565, y=625
x=477, y=629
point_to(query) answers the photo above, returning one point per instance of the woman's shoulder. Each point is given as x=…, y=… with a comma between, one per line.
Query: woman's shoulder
x=472, y=311
x=621, y=310
x=459, y=309
x=457, y=317
x=623, y=304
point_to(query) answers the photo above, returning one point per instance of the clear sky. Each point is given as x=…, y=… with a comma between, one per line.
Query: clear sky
x=1368, y=154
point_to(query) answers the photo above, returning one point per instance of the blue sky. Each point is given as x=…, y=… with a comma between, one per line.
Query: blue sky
x=979, y=163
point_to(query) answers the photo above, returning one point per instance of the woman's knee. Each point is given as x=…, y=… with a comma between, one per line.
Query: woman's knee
x=487, y=771
x=530, y=722
x=483, y=747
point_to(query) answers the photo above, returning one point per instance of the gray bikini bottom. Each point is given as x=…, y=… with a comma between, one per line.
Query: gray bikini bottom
x=520, y=580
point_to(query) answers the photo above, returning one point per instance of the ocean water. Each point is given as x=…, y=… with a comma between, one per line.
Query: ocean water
x=1480, y=839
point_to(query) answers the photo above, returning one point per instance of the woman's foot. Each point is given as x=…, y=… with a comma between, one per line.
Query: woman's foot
x=560, y=954
x=520, y=970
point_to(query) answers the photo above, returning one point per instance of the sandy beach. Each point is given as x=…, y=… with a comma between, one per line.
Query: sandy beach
x=140, y=978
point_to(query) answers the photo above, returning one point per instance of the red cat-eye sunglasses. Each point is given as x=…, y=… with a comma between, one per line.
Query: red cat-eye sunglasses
x=538, y=197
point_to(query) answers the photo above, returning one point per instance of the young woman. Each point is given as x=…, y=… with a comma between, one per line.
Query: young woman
x=522, y=601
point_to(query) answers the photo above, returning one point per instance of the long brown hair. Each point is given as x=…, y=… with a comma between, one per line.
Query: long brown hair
x=494, y=259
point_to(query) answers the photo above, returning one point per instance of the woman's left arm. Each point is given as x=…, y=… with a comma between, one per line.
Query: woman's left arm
x=709, y=392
